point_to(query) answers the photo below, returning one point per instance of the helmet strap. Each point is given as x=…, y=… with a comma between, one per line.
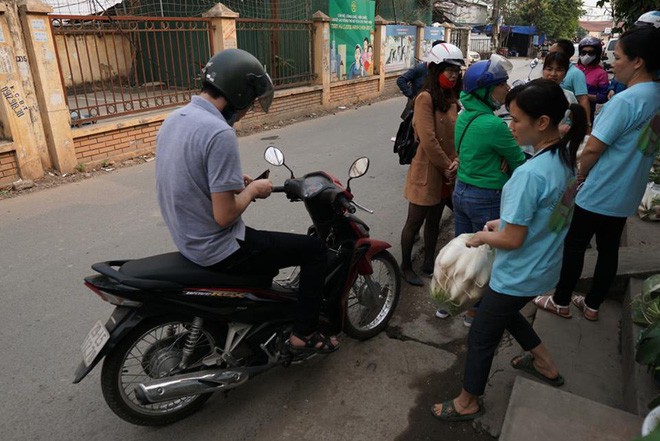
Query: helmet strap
x=230, y=114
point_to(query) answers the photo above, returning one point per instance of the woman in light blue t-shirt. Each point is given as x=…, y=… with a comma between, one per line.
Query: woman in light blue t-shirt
x=614, y=166
x=537, y=203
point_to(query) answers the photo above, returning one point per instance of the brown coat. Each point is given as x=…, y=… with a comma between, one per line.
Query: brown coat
x=435, y=153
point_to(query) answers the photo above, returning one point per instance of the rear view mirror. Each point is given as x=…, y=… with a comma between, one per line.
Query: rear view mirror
x=274, y=156
x=359, y=167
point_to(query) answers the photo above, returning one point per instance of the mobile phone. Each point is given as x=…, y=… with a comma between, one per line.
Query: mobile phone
x=264, y=175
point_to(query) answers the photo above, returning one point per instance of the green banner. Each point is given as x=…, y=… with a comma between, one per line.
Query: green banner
x=351, y=38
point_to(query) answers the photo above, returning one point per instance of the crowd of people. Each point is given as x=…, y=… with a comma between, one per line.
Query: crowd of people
x=539, y=210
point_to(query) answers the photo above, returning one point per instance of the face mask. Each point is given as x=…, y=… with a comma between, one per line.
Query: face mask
x=445, y=82
x=587, y=59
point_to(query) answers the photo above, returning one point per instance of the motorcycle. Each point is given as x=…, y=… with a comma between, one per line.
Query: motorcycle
x=180, y=332
x=532, y=66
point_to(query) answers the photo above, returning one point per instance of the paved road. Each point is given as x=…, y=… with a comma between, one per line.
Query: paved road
x=50, y=238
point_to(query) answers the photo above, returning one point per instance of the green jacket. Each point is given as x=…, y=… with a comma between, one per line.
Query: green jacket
x=486, y=142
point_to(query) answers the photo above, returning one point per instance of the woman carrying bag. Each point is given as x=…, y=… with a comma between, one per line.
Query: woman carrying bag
x=432, y=170
x=537, y=204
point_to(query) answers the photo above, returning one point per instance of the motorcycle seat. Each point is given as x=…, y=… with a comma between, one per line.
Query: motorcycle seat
x=174, y=267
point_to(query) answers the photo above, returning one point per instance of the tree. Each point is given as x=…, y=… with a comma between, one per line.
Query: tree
x=555, y=18
x=581, y=32
x=627, y=12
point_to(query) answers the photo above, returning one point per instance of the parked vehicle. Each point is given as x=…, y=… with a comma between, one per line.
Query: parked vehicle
x=608, y=53
x=473, y=57
x=180, y=332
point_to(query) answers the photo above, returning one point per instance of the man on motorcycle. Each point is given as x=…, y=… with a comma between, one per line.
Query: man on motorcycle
x=202, y=192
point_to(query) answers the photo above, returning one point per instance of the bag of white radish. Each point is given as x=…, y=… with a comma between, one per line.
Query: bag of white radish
x=461, y=274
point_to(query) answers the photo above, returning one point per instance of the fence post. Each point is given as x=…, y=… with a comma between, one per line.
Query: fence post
x=322, y=54
x=18, y=111
x=379, y=52
x=419, y=38
x=223, y=23
x=49, y=90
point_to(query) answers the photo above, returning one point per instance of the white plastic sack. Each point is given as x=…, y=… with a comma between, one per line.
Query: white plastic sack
x=461, y=274
x=649, y=207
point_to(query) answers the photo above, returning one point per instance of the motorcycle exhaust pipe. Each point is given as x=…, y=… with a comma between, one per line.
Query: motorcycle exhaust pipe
x=195, y=383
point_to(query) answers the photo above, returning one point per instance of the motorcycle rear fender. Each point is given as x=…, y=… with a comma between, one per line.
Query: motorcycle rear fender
x=120, y=323
x=374, y=247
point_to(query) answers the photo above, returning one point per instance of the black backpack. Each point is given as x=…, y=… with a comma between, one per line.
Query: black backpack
x=405, y=144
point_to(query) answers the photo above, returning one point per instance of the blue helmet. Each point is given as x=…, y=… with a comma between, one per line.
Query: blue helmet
x=486, y=73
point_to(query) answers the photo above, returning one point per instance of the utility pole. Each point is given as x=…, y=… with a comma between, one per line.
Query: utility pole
x=495, y=37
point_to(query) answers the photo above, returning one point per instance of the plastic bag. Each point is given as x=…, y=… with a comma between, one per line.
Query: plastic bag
x=461, y=274
x=649, y=207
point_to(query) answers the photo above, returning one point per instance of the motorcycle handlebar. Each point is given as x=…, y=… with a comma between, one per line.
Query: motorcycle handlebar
x=278, y=189
x=347, y=205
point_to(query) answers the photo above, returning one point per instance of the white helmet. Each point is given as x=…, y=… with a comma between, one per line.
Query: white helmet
x=445, y=53
x=651, y=18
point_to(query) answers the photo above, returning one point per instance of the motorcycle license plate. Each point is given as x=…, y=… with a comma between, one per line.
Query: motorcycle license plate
x=96, y=339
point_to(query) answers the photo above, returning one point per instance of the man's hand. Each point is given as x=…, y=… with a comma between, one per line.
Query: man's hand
x=261, y=188
x=246, y=180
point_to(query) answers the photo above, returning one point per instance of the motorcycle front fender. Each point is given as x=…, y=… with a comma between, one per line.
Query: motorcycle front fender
x=373, y=247
x=120, y=323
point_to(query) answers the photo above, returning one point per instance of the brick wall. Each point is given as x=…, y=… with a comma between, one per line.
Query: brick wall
x=354, y=91
x=390, y=83
x=286, y=106
x=8, y=167
x=118, y=144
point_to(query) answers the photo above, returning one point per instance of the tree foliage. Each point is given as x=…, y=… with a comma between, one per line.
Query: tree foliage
x=627, y=12
x=555, y=18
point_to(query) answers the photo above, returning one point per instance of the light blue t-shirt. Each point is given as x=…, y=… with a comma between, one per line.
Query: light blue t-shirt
x=540, y=196
x=575, y=81
x=197, y=155
x=629, y=124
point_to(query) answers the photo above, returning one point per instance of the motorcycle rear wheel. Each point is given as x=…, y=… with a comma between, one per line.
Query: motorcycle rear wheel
x=368, y=312
x=152, y=350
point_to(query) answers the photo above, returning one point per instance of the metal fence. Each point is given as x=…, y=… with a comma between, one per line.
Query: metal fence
x=112, y=66
x=284, y=46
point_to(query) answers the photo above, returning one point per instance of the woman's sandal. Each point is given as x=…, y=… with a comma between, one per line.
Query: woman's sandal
x=450, y=414
x=526, y=364
x=546, y=303
x=312, y=344
x=589, y=314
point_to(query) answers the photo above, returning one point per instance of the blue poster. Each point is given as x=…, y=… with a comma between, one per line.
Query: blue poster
x=399, y=47
x=431, y=34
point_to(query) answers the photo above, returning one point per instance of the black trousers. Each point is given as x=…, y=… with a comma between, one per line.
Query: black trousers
x=584, y=225
x=497, y=313
x=265, y=252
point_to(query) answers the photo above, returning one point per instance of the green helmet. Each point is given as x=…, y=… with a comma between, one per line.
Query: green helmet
x=240, y=78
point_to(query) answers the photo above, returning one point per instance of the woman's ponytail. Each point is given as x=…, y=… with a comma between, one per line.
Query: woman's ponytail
x=570, y=142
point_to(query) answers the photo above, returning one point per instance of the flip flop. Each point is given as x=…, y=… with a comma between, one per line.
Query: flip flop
x=450, y=414
x=526, y=364
x=546, y=303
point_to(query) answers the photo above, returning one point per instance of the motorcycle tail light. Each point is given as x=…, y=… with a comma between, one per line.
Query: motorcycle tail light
x=111, y=298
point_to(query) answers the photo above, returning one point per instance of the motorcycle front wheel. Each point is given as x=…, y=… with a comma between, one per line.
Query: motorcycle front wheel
x=153, y=350
x=373, y=298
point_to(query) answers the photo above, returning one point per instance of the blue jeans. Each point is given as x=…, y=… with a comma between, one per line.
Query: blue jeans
x=473, y=207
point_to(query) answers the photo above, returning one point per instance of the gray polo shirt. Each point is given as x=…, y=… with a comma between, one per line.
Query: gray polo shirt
x=196, y=155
